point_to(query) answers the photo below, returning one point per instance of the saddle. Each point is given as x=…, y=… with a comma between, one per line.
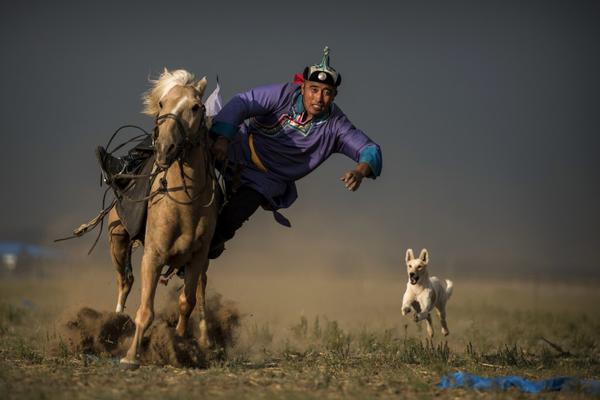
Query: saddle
x=131, y=210
x=130, y=192
x=130, y=179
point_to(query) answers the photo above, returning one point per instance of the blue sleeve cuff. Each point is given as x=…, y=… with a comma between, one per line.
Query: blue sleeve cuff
x=372, y=156
x=224, y=129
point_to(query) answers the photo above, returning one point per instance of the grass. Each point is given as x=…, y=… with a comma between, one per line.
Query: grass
x=316, y=356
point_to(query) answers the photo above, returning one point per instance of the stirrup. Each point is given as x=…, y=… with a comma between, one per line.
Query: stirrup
x=109, y=165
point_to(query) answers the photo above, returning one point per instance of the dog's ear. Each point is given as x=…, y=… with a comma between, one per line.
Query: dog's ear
x=424, y=256
x=409, y=255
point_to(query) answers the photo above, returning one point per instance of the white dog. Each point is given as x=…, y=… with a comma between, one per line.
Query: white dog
x=424, y=293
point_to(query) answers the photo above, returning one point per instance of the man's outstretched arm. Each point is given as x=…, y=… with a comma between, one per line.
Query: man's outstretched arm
x=354, y=143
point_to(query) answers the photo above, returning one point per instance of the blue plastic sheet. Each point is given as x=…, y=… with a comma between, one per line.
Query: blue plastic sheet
x=467, y=380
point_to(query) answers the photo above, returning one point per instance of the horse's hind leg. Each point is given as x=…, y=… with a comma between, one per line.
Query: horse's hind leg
x=120, y=252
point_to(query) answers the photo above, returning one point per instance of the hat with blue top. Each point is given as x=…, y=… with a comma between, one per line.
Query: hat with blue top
x=322, y=72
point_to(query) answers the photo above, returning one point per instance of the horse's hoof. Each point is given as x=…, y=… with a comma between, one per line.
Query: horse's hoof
x=205, y=344
x=128, y=365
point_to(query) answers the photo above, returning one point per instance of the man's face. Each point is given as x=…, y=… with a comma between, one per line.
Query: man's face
x=317, y=97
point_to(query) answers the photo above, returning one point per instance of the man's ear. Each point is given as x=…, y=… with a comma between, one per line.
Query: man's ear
x=409, y=255
x=424, y=256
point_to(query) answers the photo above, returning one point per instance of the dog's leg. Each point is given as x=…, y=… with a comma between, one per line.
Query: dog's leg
x=420, y=316
x=442, y=314
x=407, y=300
x=429, y=326
x=416, y=306
x=426, y=305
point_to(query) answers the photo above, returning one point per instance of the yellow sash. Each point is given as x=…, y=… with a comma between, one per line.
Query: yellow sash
x=254, y=156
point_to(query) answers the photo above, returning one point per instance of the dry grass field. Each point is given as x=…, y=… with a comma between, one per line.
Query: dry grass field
x=304, y=335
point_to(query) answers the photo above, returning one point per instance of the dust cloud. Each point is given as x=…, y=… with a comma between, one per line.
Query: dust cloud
x=106, y=333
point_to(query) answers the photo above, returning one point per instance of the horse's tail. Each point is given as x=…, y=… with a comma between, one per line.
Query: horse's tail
x=449, y=288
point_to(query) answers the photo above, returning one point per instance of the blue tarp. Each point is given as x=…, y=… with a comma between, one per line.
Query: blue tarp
x=467, y=380
x=30, y=250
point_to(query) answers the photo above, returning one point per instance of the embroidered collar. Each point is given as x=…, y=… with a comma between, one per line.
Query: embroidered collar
x=293, y=119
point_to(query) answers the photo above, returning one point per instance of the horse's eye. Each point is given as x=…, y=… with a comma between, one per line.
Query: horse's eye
x=160, y=104
x=195, y=108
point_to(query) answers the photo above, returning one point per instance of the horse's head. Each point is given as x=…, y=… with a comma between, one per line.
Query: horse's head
x=176, y=102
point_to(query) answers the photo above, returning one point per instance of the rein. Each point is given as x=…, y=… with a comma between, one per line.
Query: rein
x=188, y=144
x=183, y=151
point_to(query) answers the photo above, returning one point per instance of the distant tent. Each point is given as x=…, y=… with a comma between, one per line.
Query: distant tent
x=14, y=255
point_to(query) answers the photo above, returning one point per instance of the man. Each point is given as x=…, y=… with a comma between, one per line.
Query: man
x=292, y=128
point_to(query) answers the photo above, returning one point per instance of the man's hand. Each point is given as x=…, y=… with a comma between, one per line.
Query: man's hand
x=352, y=180
x=219, y=148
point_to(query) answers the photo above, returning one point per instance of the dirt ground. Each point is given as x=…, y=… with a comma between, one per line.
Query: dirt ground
x=291, y=335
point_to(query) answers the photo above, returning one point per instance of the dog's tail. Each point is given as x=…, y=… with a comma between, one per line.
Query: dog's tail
x=449, y=288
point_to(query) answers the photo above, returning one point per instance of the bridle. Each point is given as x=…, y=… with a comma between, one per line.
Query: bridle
x=188, y=143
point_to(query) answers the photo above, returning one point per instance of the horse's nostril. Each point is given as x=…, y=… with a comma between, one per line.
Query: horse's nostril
x=171, y=149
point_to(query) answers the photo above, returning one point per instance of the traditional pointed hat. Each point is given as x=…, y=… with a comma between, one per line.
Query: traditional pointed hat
x=322, y=72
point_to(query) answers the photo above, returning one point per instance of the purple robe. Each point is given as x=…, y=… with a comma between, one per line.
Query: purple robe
x=288, y=148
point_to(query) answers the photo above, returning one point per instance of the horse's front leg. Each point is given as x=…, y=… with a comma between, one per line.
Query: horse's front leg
x=187, y=298
x=204, y=339
x=150, y=272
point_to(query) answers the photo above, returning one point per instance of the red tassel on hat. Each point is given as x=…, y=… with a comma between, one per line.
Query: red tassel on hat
x=298, y=79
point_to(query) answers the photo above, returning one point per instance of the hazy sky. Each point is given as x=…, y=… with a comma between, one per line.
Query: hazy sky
x=488, y=114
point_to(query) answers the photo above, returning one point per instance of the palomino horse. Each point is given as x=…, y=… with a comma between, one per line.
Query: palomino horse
x=182, y=210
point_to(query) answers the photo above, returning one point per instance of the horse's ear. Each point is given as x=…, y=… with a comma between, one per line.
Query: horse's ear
x=201, y=85
x=409, y=255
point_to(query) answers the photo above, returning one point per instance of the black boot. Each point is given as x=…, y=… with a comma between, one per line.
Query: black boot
x=216, y=250
x=109, y=165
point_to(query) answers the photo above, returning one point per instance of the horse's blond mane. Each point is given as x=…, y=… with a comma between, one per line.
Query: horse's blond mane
x=165, y=82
